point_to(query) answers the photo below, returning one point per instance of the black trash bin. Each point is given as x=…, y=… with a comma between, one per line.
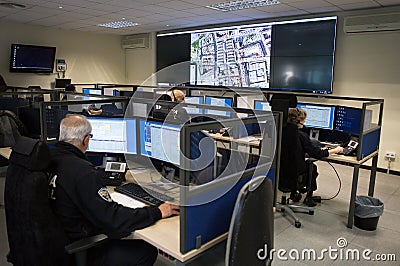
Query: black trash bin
x=367, y=212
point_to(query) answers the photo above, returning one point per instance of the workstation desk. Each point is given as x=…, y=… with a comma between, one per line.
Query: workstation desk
x=5, y=152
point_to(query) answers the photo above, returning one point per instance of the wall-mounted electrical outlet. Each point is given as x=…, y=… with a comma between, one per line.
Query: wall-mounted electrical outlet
x=390, y=155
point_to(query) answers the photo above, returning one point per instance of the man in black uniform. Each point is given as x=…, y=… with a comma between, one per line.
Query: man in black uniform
x=85, y=207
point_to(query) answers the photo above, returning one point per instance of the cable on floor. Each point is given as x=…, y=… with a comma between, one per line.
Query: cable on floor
x=340, y=183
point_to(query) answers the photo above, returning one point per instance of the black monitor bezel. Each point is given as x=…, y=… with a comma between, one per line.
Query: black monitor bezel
x=32, y=69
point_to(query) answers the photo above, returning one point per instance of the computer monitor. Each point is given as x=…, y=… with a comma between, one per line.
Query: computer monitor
x=218, y=101
x=319, y=116
x=62, y=83
x=92, y=91
x=113, y=135
x=126, y=93
x=194, y=100
x=160, y=141
x=261, y=105
x=348, y=119
x=109, y=91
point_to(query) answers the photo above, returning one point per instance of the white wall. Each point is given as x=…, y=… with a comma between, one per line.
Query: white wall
x=90, y=57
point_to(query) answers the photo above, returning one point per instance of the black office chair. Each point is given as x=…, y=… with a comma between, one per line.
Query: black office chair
x=35, y=236
x=251, y=233
x=288, y=180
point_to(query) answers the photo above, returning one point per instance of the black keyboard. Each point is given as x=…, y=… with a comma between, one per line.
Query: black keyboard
x=137, y=192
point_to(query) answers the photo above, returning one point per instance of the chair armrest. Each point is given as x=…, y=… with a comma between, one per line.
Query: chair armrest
x=311, y=160
x=85, y=243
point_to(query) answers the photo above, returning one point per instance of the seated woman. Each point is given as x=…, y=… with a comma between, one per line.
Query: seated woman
x=298, y=116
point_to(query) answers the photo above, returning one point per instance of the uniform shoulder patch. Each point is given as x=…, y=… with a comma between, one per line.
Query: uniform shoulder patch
x=104, y=194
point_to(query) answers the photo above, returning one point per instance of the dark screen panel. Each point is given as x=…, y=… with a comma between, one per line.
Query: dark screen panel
x=303, y=56
x=31, y=58
x=172, y=49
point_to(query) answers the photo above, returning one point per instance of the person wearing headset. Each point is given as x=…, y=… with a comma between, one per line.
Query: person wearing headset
x=298, y=116
x=177, y=95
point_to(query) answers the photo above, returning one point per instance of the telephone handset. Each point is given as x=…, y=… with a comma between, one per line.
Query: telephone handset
x=351, y=146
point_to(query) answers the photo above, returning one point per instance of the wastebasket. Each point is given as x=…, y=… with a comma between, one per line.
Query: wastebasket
x=367, y=212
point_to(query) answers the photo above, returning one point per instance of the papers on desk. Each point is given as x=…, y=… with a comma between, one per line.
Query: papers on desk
x=126, y=201
x=250, y=139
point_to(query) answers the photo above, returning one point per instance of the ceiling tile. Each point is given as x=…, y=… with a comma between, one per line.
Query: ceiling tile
x=310, y=4
x=362, y=5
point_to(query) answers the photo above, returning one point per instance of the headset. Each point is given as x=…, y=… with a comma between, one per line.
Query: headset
x=173, y=94
x=298, y=119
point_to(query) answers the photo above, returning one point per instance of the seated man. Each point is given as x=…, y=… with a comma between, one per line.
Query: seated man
x=298, y=116
x=85, y=207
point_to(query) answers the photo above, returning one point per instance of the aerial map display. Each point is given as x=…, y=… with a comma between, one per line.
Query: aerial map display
x=237, y=57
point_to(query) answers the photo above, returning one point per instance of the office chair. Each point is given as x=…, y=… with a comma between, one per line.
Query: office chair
x=291, y=154
x=251, y=232
x=35, y=235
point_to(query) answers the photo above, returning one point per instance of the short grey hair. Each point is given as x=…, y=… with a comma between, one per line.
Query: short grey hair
x=74, y=128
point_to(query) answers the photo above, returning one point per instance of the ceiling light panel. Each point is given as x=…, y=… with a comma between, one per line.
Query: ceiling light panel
x=242, y=4
x=118, y=24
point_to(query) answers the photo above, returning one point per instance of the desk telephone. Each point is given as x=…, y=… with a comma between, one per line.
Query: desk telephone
x=114, y=173
x=351, y=146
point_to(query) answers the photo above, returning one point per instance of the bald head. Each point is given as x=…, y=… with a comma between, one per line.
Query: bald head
x=74, y=129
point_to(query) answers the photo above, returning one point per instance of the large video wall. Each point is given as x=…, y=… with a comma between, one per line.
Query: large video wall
x=290, y=55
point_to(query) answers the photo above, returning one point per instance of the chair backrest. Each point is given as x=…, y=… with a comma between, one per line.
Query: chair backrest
x=11, y=128
x=291, y=158
x=35, y=236
x=251, y=231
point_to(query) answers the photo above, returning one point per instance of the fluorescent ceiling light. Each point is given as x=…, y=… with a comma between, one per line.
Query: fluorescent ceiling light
x=118, y=24
x=242, y=4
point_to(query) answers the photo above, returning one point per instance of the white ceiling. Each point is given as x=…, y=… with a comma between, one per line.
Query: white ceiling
x=162, y=15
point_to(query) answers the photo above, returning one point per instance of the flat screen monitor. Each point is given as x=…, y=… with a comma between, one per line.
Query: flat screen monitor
x=62, y=83
x=348, y=119
x=126, y=93
x=261, y=105
x=319, y=116
x=92, y=91
x=160, y=141
x=109, y=91
x=218, y=101
x=113, y=135
x=32, y=58
x=195, y=100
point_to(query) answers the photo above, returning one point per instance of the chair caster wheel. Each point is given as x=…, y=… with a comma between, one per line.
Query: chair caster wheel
x=311, y=212
x=297, y=224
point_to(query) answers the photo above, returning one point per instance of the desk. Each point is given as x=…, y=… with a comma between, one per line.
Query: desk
x=165, y=235
x=5, y=152
x=356, y=165
x=250, y=141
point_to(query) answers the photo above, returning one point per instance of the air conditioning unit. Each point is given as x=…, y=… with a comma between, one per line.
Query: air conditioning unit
x=372, y=23
x=136, y=41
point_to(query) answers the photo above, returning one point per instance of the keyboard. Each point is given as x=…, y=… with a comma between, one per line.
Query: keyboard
x=137, y=192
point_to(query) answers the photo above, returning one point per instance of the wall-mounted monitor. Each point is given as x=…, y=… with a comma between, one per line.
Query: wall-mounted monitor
x=160, y=141
x=32, y=58
x=113, y=135
x=319, y=116
x=262, y=105
x=296, y=55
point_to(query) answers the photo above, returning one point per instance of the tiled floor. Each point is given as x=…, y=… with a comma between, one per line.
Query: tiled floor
x=319, y=231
